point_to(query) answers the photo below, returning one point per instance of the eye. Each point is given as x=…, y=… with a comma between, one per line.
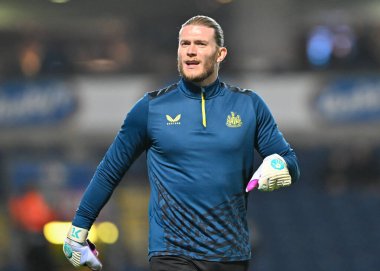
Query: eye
x=201, y=43
x=184, y=43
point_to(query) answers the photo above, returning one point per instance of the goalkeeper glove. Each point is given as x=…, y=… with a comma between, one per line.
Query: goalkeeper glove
x=79, y=250
x=272, y=174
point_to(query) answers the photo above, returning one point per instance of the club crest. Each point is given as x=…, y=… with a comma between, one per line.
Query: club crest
x=234, y=120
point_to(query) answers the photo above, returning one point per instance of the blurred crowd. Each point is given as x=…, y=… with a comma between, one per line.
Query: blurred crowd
x=328, y=221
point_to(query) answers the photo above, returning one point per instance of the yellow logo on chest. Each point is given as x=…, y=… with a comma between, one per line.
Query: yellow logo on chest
x=234, y=120
x=175, y=121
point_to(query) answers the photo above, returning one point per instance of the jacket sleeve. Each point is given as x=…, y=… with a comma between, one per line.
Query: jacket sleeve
x=270, y=140
x=127, y=146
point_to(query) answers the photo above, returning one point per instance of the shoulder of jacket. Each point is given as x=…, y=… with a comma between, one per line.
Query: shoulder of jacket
x=240, y=90
x=162, y=91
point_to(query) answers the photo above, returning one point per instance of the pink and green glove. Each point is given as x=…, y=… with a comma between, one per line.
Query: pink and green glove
x=272, y=174
x=79, y=250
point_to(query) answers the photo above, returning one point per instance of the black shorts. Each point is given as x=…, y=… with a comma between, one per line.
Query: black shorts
x=177, y=263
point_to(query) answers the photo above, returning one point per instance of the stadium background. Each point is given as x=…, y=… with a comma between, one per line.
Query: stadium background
x=70, y=70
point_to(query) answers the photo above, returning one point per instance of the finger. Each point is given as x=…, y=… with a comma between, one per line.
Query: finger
x=276, y=176
x=263, y=184
x=282, y=182
x=93, y=263
x=251, y=185
x=276, y=183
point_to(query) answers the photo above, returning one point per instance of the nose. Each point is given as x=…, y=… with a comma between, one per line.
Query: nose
x=191, y=50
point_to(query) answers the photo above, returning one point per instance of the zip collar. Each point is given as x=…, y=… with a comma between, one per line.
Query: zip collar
x=193, y=91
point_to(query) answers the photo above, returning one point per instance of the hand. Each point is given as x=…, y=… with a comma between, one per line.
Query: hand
x=254, y=182
x=79, y=250
x=272, y=174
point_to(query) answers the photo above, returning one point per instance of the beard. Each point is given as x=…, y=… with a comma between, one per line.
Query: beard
x=209, y=68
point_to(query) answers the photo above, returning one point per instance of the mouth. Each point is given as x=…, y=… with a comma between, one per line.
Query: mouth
x=192, y=63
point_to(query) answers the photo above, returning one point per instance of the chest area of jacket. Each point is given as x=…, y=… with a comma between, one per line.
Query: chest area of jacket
x=219, y=124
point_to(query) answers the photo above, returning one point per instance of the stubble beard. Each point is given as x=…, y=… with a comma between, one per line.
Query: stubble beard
x=209, y=69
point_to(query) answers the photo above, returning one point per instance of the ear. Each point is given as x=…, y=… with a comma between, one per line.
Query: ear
x=221, y=54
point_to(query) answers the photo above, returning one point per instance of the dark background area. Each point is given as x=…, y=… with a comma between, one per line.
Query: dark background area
x=59, y=59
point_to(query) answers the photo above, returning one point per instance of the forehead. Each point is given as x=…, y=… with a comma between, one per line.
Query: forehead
x=196, y=32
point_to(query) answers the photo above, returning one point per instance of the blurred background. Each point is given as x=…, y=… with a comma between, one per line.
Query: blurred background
x=70, y=70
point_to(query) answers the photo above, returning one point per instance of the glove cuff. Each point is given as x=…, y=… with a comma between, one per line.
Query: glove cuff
x=77, y=234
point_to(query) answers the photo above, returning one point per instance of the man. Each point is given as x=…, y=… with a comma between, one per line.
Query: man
x=199, y=136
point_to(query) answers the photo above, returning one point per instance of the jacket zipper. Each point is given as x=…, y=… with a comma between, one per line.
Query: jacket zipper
x=203, y=102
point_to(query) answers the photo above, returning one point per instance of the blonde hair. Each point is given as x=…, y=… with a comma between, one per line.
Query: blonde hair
x=208, y=22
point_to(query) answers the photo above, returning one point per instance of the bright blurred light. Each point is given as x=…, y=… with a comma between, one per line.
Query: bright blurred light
x=59, y=1
x=55, y=232
x=106, y=232
x=327, y=44
x=344, y=41
x=320, y=46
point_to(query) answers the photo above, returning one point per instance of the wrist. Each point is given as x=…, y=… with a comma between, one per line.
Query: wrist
x=276, y=161
x=77, y=234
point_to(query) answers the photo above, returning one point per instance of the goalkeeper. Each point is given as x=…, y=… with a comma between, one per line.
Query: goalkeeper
x=199, y=136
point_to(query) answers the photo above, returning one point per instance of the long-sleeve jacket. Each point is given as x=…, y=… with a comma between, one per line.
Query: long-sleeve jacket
x=199, y=145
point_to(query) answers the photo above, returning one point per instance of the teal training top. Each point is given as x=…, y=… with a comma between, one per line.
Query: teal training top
x=199, y=145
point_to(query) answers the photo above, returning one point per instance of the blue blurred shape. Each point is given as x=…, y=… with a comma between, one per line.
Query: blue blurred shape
x=350, y=100
x=320, y=46
x=34, y=103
